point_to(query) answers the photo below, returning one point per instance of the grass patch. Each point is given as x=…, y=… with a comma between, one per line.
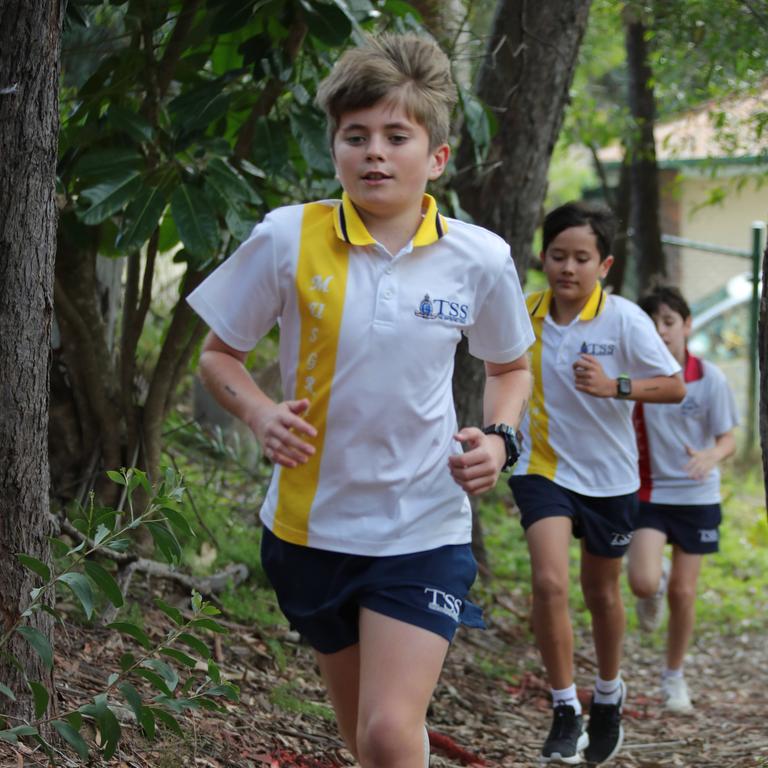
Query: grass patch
x=285, y=698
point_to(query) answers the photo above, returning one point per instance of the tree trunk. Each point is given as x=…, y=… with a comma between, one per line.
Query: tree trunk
x=622, y=208
x=524, y=79
x=30, y=38
x=644, y=175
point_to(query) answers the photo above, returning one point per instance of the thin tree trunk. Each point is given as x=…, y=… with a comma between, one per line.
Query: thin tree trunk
x=524, y=79
x=644, y=175
x=30, y=39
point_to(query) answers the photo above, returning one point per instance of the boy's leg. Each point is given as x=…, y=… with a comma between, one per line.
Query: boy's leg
x=682, y=605
x=399, y=667
x=548, y=540
x=644, y=561
x=341, y=674
x=602, y=595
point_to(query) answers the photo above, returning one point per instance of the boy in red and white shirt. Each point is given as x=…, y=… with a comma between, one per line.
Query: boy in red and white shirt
x=679, y=449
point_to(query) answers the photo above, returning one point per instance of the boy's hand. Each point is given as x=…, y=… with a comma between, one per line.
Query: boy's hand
x=276, y=427
x=701, y=463
x=590, y=377
x=477, y=469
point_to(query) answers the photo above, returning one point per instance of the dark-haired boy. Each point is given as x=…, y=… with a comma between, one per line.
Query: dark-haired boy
x=577, y=475
x=680, y=447
x=367, y=521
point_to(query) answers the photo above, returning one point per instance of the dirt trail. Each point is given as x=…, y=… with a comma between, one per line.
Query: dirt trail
x=490, y=707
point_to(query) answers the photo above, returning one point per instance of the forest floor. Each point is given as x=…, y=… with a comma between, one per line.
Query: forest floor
x=490, y=707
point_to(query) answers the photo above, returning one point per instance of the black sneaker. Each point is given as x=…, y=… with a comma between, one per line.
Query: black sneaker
x=566, y=739
x=605, y=732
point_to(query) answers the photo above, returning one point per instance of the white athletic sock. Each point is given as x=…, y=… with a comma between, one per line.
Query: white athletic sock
x=607, y=691
x=566, y=696
x=667, y=673
x=426, y=747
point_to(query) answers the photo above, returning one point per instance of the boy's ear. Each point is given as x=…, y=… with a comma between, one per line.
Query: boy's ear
x=439, y=159
x=605, y=265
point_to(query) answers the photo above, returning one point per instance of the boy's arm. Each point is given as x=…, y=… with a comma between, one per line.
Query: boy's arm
x=704, y=461
x=591, y=379
x=507, y=390
x=275, y=425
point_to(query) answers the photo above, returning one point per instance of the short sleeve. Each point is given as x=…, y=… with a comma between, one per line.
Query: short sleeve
x=502, y=329
x=723, y=413
x=647, y=354
x=240, y=300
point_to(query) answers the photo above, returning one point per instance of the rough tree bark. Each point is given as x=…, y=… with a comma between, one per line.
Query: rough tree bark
x=644, y=176
x=524, y=79
x=30, y=35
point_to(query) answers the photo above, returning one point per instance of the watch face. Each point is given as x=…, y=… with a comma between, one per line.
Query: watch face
x=625, y=386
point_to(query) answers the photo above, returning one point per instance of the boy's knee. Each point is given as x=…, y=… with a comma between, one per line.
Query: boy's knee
x=681, y=594
x=388, y=738
x=602, y=599
x=548, y=588
x=642, y=586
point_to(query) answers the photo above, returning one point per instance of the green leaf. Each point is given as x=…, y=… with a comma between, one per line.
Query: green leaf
x=229, y=691
x=165, y=541
x=82, y=589
x=131, y=629
x=214, y=626
x=327, y=23
x=7, y=692
x=208, y=704
x=12, y=734
x=213, y=671
x=132, y=696
x=147, y=723
x=155, y=680
x=72, y=737
x=102, y=164
x=116, y=477
x=141, y=219
x=313, y=141
x=119, y=545
x=109, y=196
x=40, y=696
x=229, y=183
x=36, y=566
x=110, y=730
x=177, y=520
x=195, y=643
x=174, y=614
x=197, y=226
x=168, y=720
x=127, y=660
x=166, y=671
x=131, y=123
x=179, y=656
x=39, y=642
x=105, y=582
x=200, y=107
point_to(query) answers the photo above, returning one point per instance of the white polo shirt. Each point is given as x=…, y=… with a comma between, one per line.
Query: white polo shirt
x=664, y=432
x=585, y=443
x=369, y=338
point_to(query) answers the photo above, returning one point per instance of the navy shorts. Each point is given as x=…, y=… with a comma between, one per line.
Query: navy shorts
x=605, y=523
x=692, y=527
x=321, y=592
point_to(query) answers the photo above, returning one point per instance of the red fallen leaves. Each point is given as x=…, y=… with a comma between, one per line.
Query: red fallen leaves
x=449, y=748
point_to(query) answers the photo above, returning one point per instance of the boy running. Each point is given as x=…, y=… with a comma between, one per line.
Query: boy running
x=680, y=447
x=577, y=474
x=367, y=523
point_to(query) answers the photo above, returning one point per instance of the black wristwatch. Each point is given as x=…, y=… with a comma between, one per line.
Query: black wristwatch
x=510, y=442
x=623, y=386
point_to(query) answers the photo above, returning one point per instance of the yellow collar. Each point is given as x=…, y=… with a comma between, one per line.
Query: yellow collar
x=350, y=228
x=538, y=303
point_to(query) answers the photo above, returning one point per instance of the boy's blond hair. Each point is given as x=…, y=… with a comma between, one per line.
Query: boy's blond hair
x=407, y=70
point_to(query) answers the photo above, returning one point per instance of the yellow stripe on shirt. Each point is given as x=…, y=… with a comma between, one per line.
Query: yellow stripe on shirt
x=321, y=281
x=543, y=460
